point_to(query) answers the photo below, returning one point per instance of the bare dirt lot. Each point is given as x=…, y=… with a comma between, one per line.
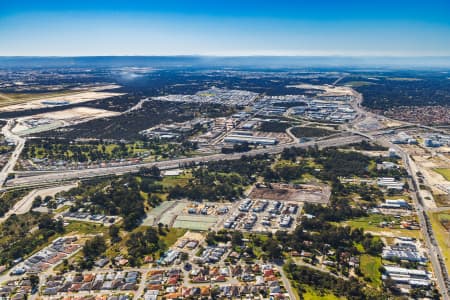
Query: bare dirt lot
x=295, y=193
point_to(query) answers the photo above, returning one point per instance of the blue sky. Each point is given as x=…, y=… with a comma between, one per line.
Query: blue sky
x=219, y=27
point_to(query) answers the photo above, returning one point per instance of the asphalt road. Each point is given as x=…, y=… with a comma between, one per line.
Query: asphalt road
x=20, y=143
x=24, y=205
x=56, y=178
x=434, y=254
x=42, y=179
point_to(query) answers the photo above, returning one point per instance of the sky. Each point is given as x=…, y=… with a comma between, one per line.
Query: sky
x=225, y=27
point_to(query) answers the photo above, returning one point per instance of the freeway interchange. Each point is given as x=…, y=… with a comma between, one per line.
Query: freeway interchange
x=351, y=135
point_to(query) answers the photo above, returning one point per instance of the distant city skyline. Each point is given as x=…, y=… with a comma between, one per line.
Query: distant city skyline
x=225, y=28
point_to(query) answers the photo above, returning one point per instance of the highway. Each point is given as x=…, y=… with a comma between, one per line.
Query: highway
x=19, y=142
x=45, y=179
x=435, y=254
x=352, y=135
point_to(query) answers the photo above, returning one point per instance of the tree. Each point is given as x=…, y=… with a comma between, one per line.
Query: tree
x=34, y=279
x=184, y=256
x=236, y=238
x=92, y=249
x=37, y=201
x=272, y=248
x=46, y=223
x=153, y=171
x=211, y=238
x=114, y=231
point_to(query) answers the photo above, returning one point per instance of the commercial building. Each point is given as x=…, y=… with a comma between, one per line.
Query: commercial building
x=390, y=183
x=395, y=203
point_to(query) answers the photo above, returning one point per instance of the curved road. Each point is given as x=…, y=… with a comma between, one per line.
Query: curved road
x=20, y=143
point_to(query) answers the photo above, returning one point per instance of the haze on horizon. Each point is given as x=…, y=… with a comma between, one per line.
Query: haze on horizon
x=225, y=28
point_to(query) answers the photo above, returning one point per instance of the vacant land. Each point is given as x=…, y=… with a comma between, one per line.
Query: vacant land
x=444, y=172
x=286, y=192
x=441, y=233
x=311, y=294
x=382, y=226
x=442, y=200
x=370, y=267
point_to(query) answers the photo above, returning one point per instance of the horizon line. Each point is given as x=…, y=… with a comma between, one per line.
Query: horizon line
x=232, y=56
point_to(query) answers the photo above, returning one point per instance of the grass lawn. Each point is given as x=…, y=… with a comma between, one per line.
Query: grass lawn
x=359, y=247
x=370, y=268
x=444, y=172
x=371, y=223
x=171, y=181
x=442, y=235
x=85, y=228
x=172, y=236
x=312, y=294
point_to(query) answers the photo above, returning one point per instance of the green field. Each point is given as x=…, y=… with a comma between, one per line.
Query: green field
x=311, y=294
x=370, y=266
x=371, y=224
x=444, y=172
x=441, y=234
x=181, y=180
x=172, y=236
x=85, y=228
